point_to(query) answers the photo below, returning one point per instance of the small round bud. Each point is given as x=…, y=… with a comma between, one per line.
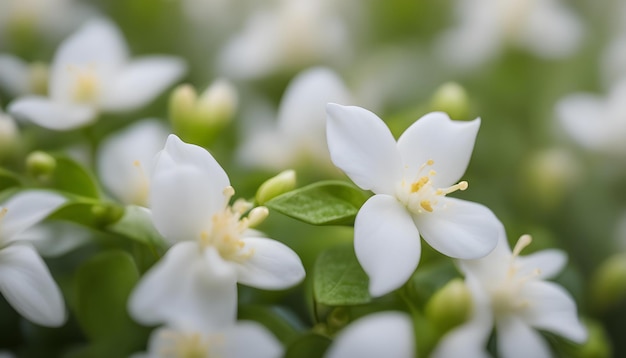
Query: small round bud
x=608, y=284
x=450, y=306
x=274, y=186
x=218, y=102
x=40, y=164
x=107, y=213
x=452, y=99
x=182, y=104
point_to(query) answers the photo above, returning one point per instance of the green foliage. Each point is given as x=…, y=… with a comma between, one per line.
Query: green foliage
x=339, y=279
x=328, y=202
x=136, y=224
x=71, y=177
x=8, y=179
x=308, y=346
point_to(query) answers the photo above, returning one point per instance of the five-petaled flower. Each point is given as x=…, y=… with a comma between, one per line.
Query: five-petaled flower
x=411, y=179
x=195, y=283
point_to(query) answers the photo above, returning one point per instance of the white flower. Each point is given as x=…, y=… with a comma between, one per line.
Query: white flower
x=90, y=73
x=125, y=159
x=243, y=339
x=293, y=34
x=509, y=291
x=546, y=28
x=382, y=334
x=25, y=281
x=411, y=179
x=195, y=283
x=596, y=123
x=300, y=132
x=19, y=78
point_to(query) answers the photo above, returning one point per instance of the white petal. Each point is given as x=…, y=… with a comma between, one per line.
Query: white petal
x=13, y=75
x=189, y=287
x=272, y=266
x=141, y=81
x=52, y=115
x=549, y=263
x=383, y=334
x=386, y=243
x=125, y=160
x=553, y=309
x=363, y=147
x=248, y=339
x=26, y=209
x=583, y=117
x=448, y=143
x=53, y=239
x=460, y=229
x=27, y=285
x=516, y=339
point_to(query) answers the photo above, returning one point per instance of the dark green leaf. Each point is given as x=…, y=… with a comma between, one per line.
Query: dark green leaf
x=282, y=325
x=338, y=278
x=8, y=179
x=323, y=203
x=308, y=346
x=71, y=177
x=136, y=224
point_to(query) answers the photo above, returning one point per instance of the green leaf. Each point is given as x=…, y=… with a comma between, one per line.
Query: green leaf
x=338, y=278
x=88, y=212
x=136, y=224
x=102, y=286
x=283, y=325
x=308, y=346
x=71, y=177
x=8, y=179
x=324, y=203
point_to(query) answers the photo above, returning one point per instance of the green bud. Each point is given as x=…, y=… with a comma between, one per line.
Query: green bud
x=107, y=213
x=40, y=165
x=450, y=306
x=597, y=345
x=218, y=103
x=38, y=74
x=608, y=285
x=452, y=99
x=182, y=105
x=274, y=186
x=9, y=136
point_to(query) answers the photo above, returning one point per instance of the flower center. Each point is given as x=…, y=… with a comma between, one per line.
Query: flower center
x=505, y=295
x=420, y=195
x=229, y=226
x=185, y=345
x=86, y=86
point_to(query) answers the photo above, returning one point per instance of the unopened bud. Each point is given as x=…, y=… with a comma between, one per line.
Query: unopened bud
x=107, y=213
x=182, y=104
x=218, y=103
x=9, y=135
x=274, y=186
x=38, y=75
x=450, y=306
x=40, y=165
x=452, y=99
x=609, y=282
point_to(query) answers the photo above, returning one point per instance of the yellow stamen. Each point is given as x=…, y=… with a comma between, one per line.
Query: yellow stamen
x=426, y=205
x=416, y=186
x=522, y=243
x=451, y=189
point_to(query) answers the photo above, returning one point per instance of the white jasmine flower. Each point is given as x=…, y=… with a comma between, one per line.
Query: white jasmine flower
x=509, y=291
x=243, y=339
x=546, y=28
x=19, y=78
x=25, y=281
x=411, y=179
x=596, y=123
x=91, y=72
x=300, y=131
x=195, y=283
x=125, y=159
x=383, y=334
x=293, y=34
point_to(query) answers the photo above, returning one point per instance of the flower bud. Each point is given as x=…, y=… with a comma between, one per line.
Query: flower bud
x=40, y=165
x=452, y=99
x=107, y=213
x=608, y=284
x=218, y=103
x=9, y=135
x=274, y=186
x=38, y=74
x=450, y=306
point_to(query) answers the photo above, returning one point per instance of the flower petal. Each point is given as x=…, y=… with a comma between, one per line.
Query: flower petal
x=272, y=266
x=27, y=285
x=460, y=229
x=363, y=147
x=55, y=238
x=386, y=243
x=189, y=287
x=516, y=339
x=553, y=310
x=549, y=263
x=52, y=115
x=259, y=342
x=26, y=209
x=141, y=81
x=448, y=143
x=125, y=160
x=14, y=75
x=383, y=334
x=584, y=118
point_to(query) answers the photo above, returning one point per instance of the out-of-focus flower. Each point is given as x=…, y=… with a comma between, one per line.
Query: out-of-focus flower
x=596, y=123
x=509, y=291
x=19, y=78
x=125, y=160
x=292, y=35
x=243, y=339
x=56, y=238
x=195, y=283
x=25, y=281
x=547, y=28
x=299, y=135
x=411, y=179
x=90, y=73
x=383, y=334
x=613, y=60
x=9, y=134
